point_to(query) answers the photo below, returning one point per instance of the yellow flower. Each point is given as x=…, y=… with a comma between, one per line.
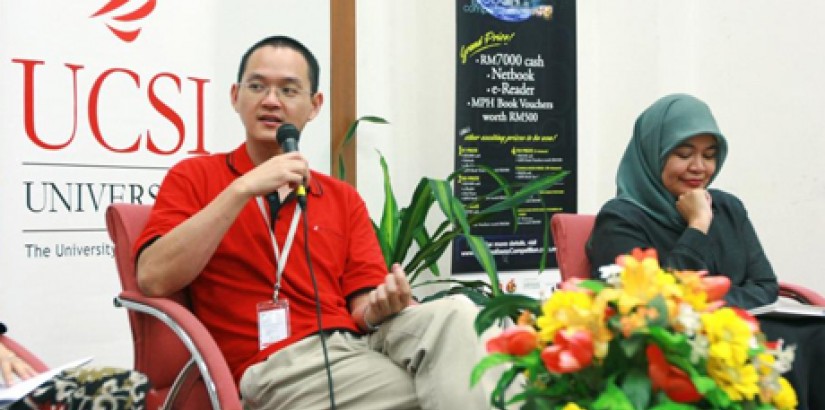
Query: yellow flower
x=565, y=309
x=693, y=292
x=632, y=322
x=571, y=406
x=738, y=382
x=641, y=281
x=765, y=364
x=785, y=399
x=729, y=336
x=568, y=309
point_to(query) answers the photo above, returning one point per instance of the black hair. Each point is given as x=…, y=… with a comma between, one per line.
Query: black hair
x=288, y=42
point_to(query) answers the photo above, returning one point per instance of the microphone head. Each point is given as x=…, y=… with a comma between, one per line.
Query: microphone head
x=287, y=131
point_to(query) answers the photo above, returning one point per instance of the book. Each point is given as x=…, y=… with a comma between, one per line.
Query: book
x=788, y=309
x=15, y=392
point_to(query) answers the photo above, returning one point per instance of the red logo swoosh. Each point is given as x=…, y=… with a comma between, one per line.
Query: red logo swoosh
x=124, y=18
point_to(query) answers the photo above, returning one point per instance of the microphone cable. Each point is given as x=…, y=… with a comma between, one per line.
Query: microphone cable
x=318, y=308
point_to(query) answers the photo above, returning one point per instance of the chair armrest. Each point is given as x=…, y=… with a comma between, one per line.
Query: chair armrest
x=193, y=334
x=801, y=294
x=24, y=354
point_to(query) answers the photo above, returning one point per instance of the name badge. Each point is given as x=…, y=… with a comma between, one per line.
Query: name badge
x=273, y=322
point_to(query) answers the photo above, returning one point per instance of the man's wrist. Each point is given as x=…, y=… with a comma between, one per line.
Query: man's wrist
x=369, y=326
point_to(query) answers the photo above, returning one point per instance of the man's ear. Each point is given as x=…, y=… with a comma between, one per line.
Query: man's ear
x=317, y=103
x=233, y=96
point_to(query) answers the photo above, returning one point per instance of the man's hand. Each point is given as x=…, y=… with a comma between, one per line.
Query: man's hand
x=289, y=169
x=389, y=298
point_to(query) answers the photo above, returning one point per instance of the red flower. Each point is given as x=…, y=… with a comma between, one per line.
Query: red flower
x=716, y=287
x=571, y=351
x=516, y=340
x=639, y=254
x=668, y=378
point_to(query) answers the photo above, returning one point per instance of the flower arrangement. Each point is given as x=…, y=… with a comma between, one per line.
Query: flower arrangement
x=644, y=338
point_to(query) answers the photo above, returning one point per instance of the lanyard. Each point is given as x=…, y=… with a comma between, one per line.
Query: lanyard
x=280, y=256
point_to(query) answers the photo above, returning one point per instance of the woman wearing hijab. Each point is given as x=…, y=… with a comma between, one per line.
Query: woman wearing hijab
x=663, y=202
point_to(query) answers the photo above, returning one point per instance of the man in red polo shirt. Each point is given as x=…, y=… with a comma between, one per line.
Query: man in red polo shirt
x=246, y=261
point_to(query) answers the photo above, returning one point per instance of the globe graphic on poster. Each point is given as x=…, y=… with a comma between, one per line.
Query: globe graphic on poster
x=509, y=10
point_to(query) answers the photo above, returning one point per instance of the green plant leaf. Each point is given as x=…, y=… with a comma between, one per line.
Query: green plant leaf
x=498, y=395
x=718, y=398
x=670, y=405
x=658, y=303
x=386, y=247
x=350, y=134
x=477, y=290
x=451, y=207
x=504, y=306
x=422, y=239
x=637, y=387
x=703, y=384
x=388, y=229
x=485, y=258
x=592, y=284
x=632, y=345
x=525, y=193
x=431, y=252
x=672, y=343
x=486, y=363
x=476, y=295
x=412, y=221
x=613, y=398
x=545, y=240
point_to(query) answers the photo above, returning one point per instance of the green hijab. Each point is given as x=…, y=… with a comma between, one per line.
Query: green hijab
x=659, y=129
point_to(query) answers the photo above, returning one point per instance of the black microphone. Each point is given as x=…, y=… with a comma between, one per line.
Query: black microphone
x=287, y=137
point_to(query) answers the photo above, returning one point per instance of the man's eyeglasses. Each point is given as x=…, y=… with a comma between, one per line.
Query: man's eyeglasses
x=284, y=93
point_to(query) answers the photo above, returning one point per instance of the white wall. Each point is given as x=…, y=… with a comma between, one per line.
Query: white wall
x=61, y=307
x=757, y=63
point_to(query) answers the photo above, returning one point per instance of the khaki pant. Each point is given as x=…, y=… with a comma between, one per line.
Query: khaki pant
x=420, y=359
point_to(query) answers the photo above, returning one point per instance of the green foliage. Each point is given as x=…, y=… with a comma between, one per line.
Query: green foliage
x=401, y=227
x=502, y=307
x=403, y=234
x=341, y=171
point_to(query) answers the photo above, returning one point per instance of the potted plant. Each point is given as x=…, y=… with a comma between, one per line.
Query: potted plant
x=404, y=238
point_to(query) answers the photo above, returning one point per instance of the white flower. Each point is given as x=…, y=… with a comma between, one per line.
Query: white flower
x=698, y=348
x=689, y=319
x=784, y=356
x=611, y=274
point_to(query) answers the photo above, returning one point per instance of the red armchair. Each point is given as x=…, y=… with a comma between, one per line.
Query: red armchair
x=570, y=234
x=171, y=346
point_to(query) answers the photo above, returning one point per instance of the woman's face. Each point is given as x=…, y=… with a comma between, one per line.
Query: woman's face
x=690, y=165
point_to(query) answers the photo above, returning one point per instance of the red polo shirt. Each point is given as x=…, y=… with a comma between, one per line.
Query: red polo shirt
x=345, y=255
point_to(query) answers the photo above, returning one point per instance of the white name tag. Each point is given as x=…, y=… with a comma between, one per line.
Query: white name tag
x=273, y=322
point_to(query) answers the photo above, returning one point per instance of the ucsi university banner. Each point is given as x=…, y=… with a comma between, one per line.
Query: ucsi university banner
x=98, y=98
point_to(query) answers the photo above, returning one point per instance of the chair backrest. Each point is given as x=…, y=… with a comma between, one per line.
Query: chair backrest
x=23, y=353
x=570, y=234
x=158, y=351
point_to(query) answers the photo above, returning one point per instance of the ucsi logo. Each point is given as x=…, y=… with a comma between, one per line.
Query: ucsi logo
x=143, y=86
x=101, y=90
x=124, y=17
